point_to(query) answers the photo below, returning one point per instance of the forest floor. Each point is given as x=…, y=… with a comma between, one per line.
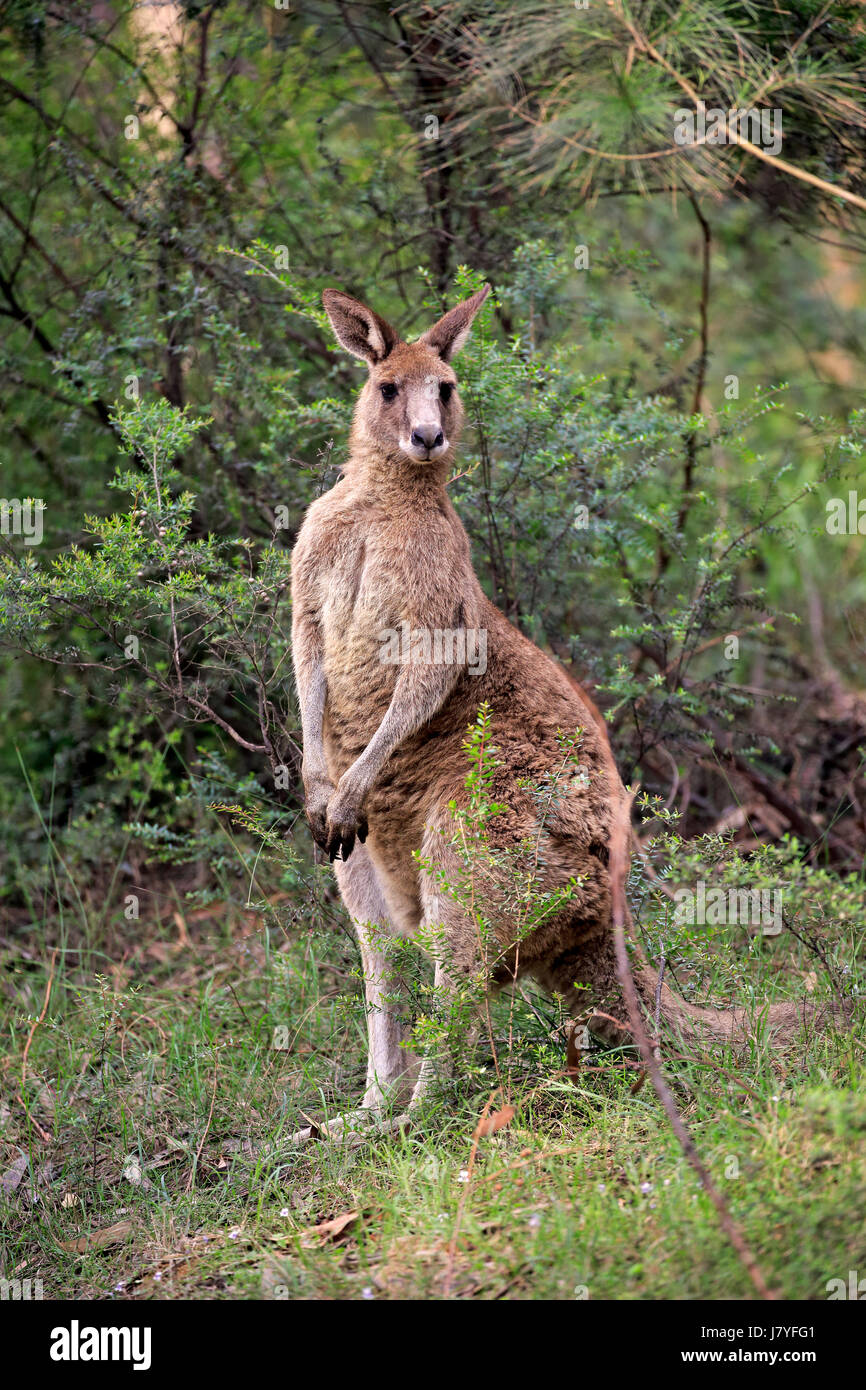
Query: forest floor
x=147, y=1121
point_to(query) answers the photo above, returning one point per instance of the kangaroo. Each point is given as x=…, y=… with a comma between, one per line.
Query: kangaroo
x=383, y=740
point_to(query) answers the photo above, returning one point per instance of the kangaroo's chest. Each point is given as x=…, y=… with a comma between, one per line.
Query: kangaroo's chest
x=376, y=584
x=381, y=586
x=364, y=591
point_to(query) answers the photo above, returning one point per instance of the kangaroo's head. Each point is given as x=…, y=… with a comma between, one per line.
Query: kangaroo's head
x=409, y=405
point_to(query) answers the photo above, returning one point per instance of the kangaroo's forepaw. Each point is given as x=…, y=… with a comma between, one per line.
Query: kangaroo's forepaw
x=345, y=822
x=317, y=796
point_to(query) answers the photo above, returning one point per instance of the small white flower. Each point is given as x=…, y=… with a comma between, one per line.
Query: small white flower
x=284, y=1211
x=367, y=1292
x=646, y=1187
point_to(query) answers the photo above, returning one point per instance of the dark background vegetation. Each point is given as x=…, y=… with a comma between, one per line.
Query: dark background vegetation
x=651, y=444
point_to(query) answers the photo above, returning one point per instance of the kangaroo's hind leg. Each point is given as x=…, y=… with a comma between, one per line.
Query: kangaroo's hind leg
x=459, y=980
x=391, y=1067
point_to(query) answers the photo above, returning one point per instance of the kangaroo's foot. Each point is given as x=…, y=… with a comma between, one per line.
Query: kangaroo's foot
x=375, y=1118
x=352, y=1129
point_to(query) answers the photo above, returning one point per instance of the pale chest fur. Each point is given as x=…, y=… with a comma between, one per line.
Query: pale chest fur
x=369, y=577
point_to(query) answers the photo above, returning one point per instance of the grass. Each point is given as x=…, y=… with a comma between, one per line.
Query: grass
x=154, y=1111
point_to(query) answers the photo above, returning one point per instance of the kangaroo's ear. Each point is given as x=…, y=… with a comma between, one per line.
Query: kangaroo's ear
x=358, y=329
x=450, y=333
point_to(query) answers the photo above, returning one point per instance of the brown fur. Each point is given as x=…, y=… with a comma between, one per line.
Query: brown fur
x=383, y=744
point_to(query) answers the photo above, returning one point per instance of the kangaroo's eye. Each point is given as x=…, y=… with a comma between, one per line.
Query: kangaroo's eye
x=445, y=390
x=389, y=390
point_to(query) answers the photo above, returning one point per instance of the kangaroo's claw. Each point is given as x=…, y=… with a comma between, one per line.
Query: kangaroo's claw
x=346, y=823
x=341, y=841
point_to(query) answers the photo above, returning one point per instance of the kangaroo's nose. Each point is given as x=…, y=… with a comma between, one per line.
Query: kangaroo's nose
x=427, y=437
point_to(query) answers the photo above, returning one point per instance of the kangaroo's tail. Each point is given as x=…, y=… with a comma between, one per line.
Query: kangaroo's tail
x=672, y=1021
x=689, y=1023
x=692, y=1024
x=696, y=1025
